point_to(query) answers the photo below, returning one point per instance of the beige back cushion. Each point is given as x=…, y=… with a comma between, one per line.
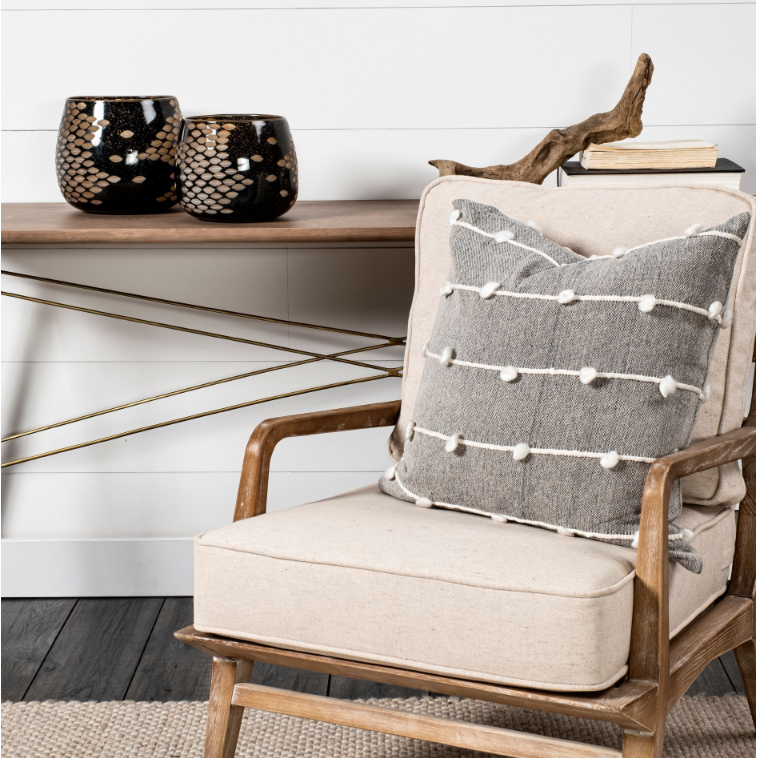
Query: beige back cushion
x=595, y=221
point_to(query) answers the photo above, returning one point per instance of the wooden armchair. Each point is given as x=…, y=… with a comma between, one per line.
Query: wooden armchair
x=261, y=584
x=660, y=671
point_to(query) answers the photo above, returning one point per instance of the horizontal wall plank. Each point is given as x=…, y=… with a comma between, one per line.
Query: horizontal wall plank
x=704, y=59
x=41, y=393
x=375, y=297
x=305, y=5
x=154, y=505
x=96, y=568
x=433, y=62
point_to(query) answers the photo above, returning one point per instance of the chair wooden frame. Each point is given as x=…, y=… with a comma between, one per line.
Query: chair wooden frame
x=660, y=671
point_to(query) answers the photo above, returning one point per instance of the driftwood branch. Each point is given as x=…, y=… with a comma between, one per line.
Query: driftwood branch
x=625, y=120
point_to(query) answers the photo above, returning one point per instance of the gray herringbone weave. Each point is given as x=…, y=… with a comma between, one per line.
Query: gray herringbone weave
x=544, y=436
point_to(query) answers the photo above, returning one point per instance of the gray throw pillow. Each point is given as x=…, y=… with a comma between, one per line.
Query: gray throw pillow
x=552, y=381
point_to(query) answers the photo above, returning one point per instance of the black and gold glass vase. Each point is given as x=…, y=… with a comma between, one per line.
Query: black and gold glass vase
x=236, y=168
x=118, y=154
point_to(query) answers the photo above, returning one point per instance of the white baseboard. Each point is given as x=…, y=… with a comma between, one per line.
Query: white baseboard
x=96, y=567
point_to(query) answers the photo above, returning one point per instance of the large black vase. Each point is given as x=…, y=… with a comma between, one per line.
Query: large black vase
x=236, y=168
x=118, y=154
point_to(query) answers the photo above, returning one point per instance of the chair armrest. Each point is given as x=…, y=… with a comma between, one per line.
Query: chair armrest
x=253, y=489
x=650, y=627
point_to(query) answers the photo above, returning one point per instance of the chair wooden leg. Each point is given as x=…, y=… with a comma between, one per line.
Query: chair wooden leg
x=642, y=745
x=224, y=719
x=745, y=655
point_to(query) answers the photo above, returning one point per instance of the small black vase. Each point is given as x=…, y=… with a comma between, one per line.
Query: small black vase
x=236, y=168
x=118, y=154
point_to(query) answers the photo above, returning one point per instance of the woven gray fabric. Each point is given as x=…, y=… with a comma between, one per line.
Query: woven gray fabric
x=583, y=425
x=698, y=727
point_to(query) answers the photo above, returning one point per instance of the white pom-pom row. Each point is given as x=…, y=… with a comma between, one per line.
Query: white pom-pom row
x=446, y=289
x=522, y=450
x=645, y=303
x=587, y=374
x=455, y=216
x=425, y=502
x=620, y=252
x=389, y=474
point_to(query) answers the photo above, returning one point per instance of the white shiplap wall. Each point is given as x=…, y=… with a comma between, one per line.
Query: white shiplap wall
x=372, y=91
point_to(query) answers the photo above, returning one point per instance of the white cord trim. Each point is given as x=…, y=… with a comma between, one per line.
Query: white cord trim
x=533, y=450
x=592, y=298
x=570, y=372
x=507, y=242
x=528, y=522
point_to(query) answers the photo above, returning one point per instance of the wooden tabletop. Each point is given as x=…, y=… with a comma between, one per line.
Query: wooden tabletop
x=327, y=221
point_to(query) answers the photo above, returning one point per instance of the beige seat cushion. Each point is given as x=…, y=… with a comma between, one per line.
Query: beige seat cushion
x=371, y=578
x=595, y=221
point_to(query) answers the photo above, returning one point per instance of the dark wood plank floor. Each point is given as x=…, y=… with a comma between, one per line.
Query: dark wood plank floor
x=124, y=649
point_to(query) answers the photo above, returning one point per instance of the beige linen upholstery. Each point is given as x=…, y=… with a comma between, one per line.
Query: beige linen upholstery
x=595, y=221
x=368, y=577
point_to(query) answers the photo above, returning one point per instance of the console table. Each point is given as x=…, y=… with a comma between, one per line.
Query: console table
x=308, y=222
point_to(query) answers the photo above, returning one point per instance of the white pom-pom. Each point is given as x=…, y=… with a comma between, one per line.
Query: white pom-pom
x=390, y=473
x=691, y=231
x=647, y=303
x=705, y=393
x=504, y=236
x=454, y=216
x=610, y=459
x=509, y=374
x=566, y=296
x=410, y=428
x=667, y=386
x=688, y=534
x=636, y=540
x=620, y=252
x=488, y=290
x=564, y=532
x=537, y=228
x=499, y=518
x=714, y=310
x=726, y=318
x=446, y=289
x=424, y=502
x=587, y=374
x=521, y=451
x=452, y=443
x=446, y=356
x=424, y=350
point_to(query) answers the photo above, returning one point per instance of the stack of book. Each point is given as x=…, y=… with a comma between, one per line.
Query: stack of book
x=649, y=163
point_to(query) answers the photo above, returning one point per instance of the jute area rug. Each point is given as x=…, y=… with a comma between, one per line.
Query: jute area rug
x=697, y=728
